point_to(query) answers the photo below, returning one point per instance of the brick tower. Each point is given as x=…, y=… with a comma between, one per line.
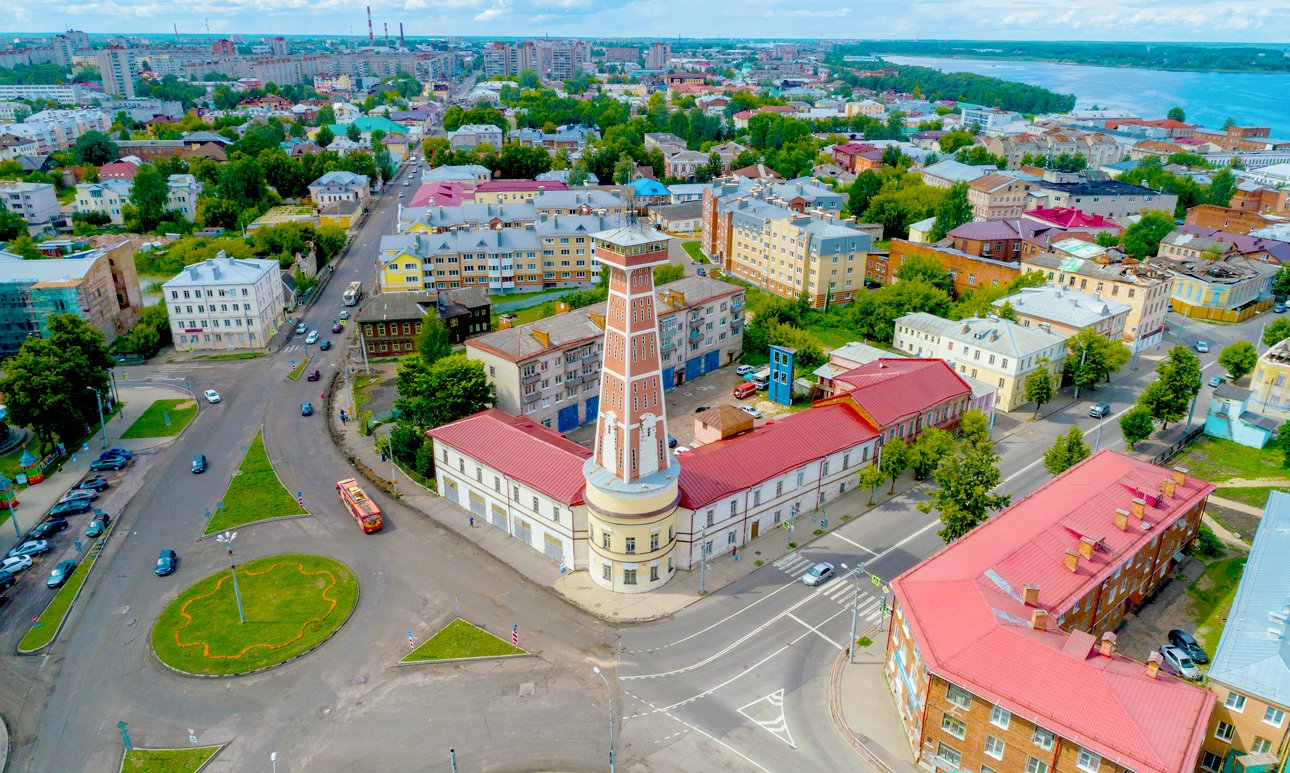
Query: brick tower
x=632, y=489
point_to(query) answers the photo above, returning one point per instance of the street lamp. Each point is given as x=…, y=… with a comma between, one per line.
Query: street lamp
x=612, y=761
x=855, y=610
x=273, y=758
x=703, y=558
x=227, y=540
x=99, y=401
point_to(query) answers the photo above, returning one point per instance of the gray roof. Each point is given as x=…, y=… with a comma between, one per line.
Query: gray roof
x=1253, y=654
x=562, y=176
x=1063, y=305
x=1141, y=274
x=574, y=198
x=460, y=300
x=222, y=269
x=683, y=211
x=504, y=240
x=997, y=335
x=630, y=235
x=474, y=213
x=956, y=171
x=466, y=172
x=71, y=268
x=396, y=306
x=339, y=178
x=1232, y=392
x=518, y=343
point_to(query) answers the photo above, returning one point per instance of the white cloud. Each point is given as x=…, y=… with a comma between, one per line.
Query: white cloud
x=490, y=14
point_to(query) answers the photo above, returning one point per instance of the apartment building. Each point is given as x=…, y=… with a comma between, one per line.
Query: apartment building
x=1096, y=147
x=472, y=135
x=225, y=303
x=515, y=191
x=62, y=93
x=110, y=196
x=657, y=56
x=1270, y=383
x=117, y=66
x=340, y=187
x=503, y=59
x=789, y=254
x=1146, y=290
x=466, y=216
x=1227, y=290
x=571, y=138
x=967, y=271
x=549, y=370
x=1000, y=652
x=553, y=203
x=722, y=197
x=1109, y=198
x=1066, y=311
x=100, y=286
x=998, y=352
x=997, y=196
x=1250, y=671
x=945, y=173
x=34, y=202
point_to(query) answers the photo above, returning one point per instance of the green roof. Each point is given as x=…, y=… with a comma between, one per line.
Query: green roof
x=370, y=123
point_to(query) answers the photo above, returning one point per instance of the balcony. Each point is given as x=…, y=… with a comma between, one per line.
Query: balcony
x=530, y=399
x=531, y=378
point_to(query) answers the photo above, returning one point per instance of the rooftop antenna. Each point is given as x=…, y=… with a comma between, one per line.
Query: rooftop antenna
x=371, y=38
x=208, y=27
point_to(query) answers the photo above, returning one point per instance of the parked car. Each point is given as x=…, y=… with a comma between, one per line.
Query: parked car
x=62, y=571
x=166, y=563
x=301, y=328
x=78, y=494
x=335, y=327
x=200, y=464
x=211, y=396
x=97, y=483
x=744, y=370
x=344, y=314
x=112, y=463
x=1278, y=308
x=312, y=338
x=1188, y=644
x=6, y=581
x=16, y=564
x=751, y=411
x=98, y=525
x=702, y=408
x=746, y=389
x=325, y=346
x=1099, y=410
x=701, y=271
x=47, y=528
x=1217, y=380
x=671, y=442
x=1178, y=662
x=306, y=409
x=1201, y=347
x=818, y=574
x=75, y=507
x=313, y=375
x=35, y=547
x=679, y=450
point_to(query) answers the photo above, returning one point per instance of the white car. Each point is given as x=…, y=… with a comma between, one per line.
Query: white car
x=818, y=574
x=751, y=411
x=312, y=338
x=1178, y=662
x=744, y=370
x=344, y=313
x=15, y=564
x=211, y=396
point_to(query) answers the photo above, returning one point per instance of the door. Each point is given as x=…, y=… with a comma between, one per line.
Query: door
x=593, y=407
x=694, y=368
x=476, y=504
x=669, y=379
x=450, y=491
x=567, y=418
x=552, y=548
x=711, y=361
x=499, y=518
x=755, y=524
x=523, y=531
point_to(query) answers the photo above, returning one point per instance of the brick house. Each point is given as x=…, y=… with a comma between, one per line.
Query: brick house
x=997, y=196
x=466, y=311
x=968, y=272
x=389, y=323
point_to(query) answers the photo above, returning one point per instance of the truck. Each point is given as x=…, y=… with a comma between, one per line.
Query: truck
x=353, y=294
x=361, y=508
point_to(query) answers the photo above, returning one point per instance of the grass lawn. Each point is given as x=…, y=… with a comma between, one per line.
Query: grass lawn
x=300, y=368
x=167, y=760
x=232, y=356
x=695, y=251
x=292, y=603
x=1250, y=495
x=1212, y=595
x=1214, y=460
x=460, y=639
x=43, y=633
x=254, y=494
x=152, y=422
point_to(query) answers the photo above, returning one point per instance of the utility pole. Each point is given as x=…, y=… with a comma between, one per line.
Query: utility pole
x=703, y=559
x=612, y=762
x=1082, y=357
x=227, y=540
x=855, y=610
x=102, y=425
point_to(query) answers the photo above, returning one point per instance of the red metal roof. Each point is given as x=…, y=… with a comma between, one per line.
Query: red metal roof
x=1070, y=218
x=965, y=611
x=892, y=388
x=118, y=170
x=522, y=449
x=522, y=185
x=442, y=194
x=719, y=469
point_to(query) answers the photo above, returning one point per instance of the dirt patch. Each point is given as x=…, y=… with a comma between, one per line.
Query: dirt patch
x=1171, y=607
x=1240, y=523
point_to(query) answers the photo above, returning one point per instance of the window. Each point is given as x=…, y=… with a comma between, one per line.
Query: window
x=607, y=571
x=653, y=574
x=1273, y=716
x=629, y=577
x=994, y=747
x=1036, y=766
x=948, y=755
x=604, y=539
x=959, y=697
x=1210, y=761
x=1235, y=702
x=1261, y=745
x=954, y=726
x=631, y=544
x=653, y=543
x=1223, y=732
x=1042, y=738
x=1089, y=761
x=1001, y=717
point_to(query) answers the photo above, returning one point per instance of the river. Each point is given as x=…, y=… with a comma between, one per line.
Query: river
x=1253, y=99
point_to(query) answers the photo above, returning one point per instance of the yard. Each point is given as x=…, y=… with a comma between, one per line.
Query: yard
x=1211, y=595
x=162, y=419
x=254, y=493
x=460, y=639
x=1217, y=460
x=695, y=251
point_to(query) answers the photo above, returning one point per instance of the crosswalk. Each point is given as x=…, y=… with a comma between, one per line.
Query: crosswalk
x=839, y=589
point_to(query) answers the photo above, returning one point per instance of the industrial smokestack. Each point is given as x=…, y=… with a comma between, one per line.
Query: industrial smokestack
x=387, y=34
x=371, y=38
x=402, y=44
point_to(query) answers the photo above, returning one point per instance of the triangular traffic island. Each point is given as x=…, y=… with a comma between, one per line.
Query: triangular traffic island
x=254, y=493
x=180, y=760
x=460, y=640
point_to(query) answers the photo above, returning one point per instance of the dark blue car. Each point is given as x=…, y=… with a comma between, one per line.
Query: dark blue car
x=166, y=563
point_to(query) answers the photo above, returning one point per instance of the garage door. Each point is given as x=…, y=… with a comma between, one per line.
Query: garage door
x=711, y=361
x=567, y=418
x=476, y=504
x=523, y=531
x=669, y=378
x=552, y=548
x=499, y=518
x=450, y=491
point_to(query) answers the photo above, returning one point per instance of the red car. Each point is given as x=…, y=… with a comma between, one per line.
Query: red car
x=314, y=375
x=746, y=389
x=335, y=327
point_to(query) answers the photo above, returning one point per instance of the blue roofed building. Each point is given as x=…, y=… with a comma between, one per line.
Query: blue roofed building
x=1250, y=673
x=650, y=192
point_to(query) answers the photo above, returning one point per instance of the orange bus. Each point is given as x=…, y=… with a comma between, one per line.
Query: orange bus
x=363, y=510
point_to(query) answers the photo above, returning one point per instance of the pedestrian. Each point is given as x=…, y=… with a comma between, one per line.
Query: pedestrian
x=472, y=521
x=735, y=550
x=384, y=458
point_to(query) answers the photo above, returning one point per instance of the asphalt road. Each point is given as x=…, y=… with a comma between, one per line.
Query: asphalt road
x=346, y=706
x=738, y=682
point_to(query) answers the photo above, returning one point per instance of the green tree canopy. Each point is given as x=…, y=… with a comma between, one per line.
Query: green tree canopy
x=434, y=342
x=1066, y=451
x=1039, y=387
x=450, y=389
x=928, y=269
x=1277, y=331
x=895, y=460
x=954, y=211
x=1239, y=358
x=150, y=195
x=932, y=445
x=95, y=147
x=1136, y=425
x=1142, y=239
x=963, y=495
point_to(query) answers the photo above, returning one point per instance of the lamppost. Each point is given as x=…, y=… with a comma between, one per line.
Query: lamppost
x=855, y=610
x=273, y=758
x=703, y=559
x=227, y=540
x=99, y=401
x=612, y=761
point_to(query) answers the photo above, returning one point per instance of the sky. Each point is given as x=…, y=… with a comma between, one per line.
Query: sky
x=1254, y=21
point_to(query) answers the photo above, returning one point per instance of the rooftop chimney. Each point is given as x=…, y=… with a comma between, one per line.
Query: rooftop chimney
x=1121, y=518
x=1086, y=547
x=1039, y=619
x=1153, y=665
x=1071, y=560
x=1180, y=475
x=1030, y=595
x=1138, y=507
x=1168, y=487
x=1107, y=645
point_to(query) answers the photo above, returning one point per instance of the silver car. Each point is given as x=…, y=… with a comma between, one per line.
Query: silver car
x=312, y=338
x=15, y=564
x=75, y=494
x=818, y=574
x=33, y=547
x=1179, y=662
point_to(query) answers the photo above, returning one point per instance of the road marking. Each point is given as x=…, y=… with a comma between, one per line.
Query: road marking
x=817, y=632
x=918, y=533
x=725, y=619
x=701, y=731
x=853, y=543
x=777, y=723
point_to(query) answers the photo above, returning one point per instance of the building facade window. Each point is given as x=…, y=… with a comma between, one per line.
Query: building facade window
x=994, y=747
x=629, y=577
x=1001, y=717
x=959, y=697
x=1274, y=716
x=1036, y=766
x=1223, y=732
x=1042, y=738
x=1261, y=745
x=1235, y=702
x=1088, y=761
x=948, y=755
x=954, y=726
x=1211, y=761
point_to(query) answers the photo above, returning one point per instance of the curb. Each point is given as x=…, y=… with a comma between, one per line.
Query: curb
x=357, y=599
x=205, y=536
x=463, y=660
x=102, y=544
x=259, y=433
x=839, y=723
x=219, y=748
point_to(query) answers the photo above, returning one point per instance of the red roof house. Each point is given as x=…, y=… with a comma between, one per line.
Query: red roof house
x=442, y=194
x=1010, y=613
x=902, y=396
x=521, y=186
x=1071, y=219
x=118, y=170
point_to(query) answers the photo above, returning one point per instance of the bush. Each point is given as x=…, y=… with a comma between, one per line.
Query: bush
x=1207, y=544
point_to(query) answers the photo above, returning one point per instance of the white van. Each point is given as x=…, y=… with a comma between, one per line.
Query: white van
x=761, y=378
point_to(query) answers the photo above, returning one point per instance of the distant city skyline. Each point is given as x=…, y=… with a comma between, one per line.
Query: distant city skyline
x=1240, y=21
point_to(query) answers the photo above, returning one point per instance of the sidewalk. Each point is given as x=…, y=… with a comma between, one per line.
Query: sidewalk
x=864, y=712
x=34, y=501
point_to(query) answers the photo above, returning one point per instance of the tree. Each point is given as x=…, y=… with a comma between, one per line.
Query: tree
x=932, y=445
x=1067, y=451
x=1277, y=331
x=1282, y=443
x=1281, y=282
x=1176, y=114
x=866, y=185
x=324, y=136
x=962, y=495
x=353, y=132
x=453, y=118
x=149, y=194
x=521, y=162
x=1239, y=358
x=241, y=181
x=1039, y=387
x=450, y=389
x=11, y=224
x=24, y=247
x=950, y=142
x=895, y=460
x=928, y=269
x=1179, y=377
x=1090, y=358
x=95, y=147
x=434, y=342
x=954, y=211
x=1136, y=426
x=624, y=169
x=668, y=272
x=1142, y=239
x=872, y=475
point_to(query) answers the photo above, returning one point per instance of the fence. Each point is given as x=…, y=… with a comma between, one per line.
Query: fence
x=1178, y=444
